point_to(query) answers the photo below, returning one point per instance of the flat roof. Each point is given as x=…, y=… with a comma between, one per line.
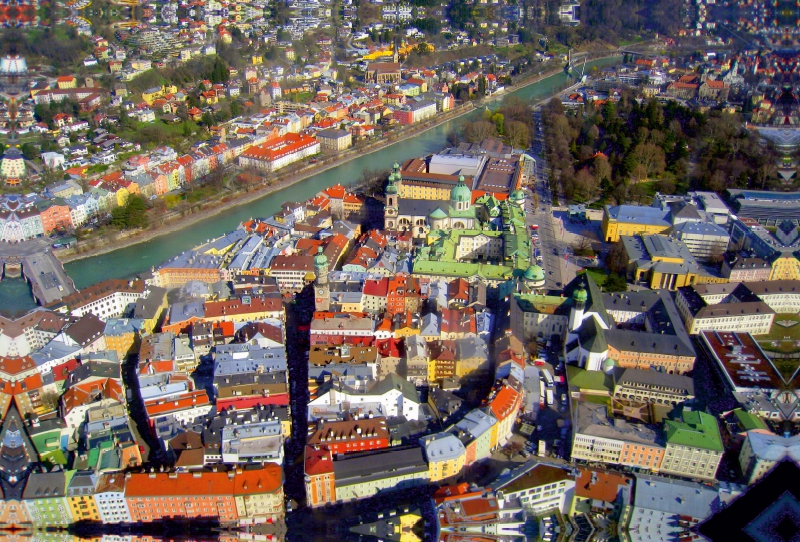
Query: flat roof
x=741, y=359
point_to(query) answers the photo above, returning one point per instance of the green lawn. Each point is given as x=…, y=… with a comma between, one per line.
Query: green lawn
x=599, y=275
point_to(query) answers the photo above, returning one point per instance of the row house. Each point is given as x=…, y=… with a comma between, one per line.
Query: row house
x=106, y=299
x=240, y=496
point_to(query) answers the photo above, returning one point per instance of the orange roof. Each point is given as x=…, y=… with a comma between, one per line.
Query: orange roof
x=318, y=461
x=266, y=479
x=158, y=407
x=504, y=401
x=30, y=383
x=86, y=392
x=280, y=147
x=236, y=306
x=454, y=492
x=336, y=191
x=65, y=78
x=16, y=365
x=605, y=487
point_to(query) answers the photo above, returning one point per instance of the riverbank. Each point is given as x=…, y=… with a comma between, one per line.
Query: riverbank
x=235, y=199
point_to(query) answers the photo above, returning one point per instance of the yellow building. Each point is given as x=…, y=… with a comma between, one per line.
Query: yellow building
x=785, y=267
x=152, y=94
x=663, y=263
x=424, y=190
x=406, y=329
x=80, y=497
x=633, y=220
x=446, y=456
x=148, y=311
x=122, y=336
x=122, y=196
x=257, y=60
x=66, y=81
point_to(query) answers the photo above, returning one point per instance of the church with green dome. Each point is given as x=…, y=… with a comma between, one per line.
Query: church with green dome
x=471, y=236
x=421, y=216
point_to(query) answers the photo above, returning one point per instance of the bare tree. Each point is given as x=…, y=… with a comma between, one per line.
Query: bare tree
x=477, y=131
x=617, y=259
x=651, y=157
x=517, y=134
x=582, y=247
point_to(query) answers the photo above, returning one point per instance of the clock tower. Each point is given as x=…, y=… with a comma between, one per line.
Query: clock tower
x=322, y=292
x=390, y=213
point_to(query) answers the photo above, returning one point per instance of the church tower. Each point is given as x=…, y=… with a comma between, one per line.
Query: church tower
x=579, y=298
x=322, y=292
x=392, y=195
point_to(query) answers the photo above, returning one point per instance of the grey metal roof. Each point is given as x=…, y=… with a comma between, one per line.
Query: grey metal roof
x=374, y=466
x=657, y=343
x=418, y=207
x=672, y=382
x=45, y=485
x=676, y=497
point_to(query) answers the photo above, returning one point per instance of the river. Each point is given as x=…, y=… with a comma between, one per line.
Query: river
x=129, y=261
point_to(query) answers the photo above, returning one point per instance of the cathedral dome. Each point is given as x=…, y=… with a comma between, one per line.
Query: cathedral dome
x=517, y=196
x=534, y=273
x=461, y=192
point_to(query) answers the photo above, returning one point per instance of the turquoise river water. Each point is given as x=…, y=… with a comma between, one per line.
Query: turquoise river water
x=129, y=261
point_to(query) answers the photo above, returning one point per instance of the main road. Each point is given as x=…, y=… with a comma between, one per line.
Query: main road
x=129, y=261
x=540, y=213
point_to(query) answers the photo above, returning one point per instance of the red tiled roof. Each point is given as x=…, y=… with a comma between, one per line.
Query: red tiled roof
x=266, y=479
x=318, y=461
x=377, y=287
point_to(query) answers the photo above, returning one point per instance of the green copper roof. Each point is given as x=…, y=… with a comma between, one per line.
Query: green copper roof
x=534, y=273
x=697, y=430
x=580, y=294
x=320, y=259
x=438, y=213
x=461, y=192
x=608, y=365
x=589, y=380
x=517, y=195
x=749, y=421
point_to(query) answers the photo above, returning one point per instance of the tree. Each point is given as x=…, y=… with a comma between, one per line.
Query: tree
x=132, y=215
x=517, y=134
x=29, y=151
x=220, y=73
x=477, y=131
x=583, y=247
x=651, y=157
x=601, y=168
x=617, y=259
x=615, y=283
x=586, y=185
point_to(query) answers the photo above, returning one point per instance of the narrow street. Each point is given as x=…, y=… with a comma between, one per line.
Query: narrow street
x=298, y=317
